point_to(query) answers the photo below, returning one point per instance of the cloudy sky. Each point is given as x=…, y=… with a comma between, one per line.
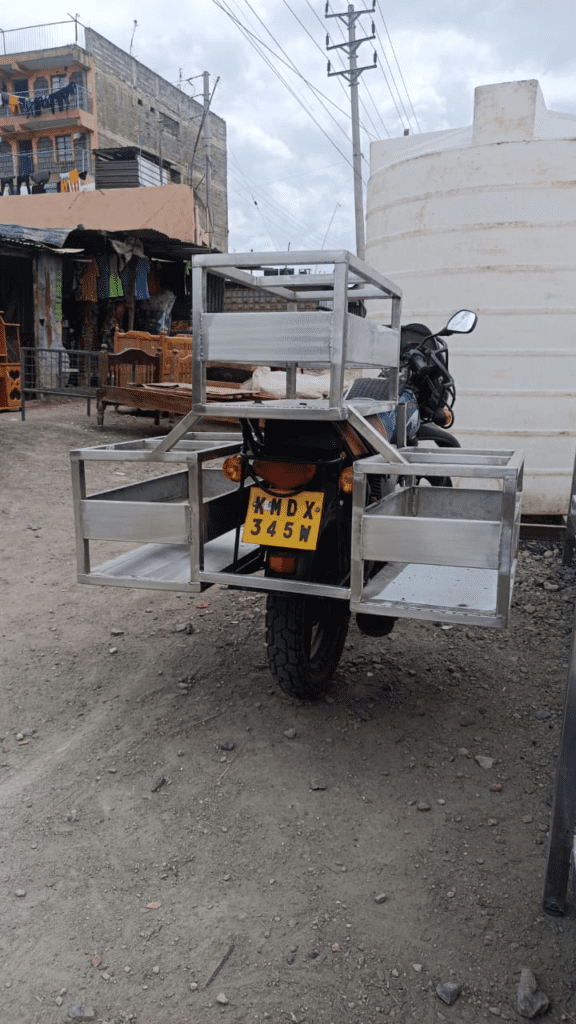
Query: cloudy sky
x=289, y=150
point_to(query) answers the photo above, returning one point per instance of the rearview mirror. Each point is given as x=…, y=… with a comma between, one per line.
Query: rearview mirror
x=462, y=322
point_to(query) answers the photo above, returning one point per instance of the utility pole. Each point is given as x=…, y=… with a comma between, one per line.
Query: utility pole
x=352, y=74
x=208, y=156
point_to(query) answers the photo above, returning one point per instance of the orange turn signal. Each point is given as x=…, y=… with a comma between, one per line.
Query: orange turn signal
x=232, y=468
x=347, y=480
x=285, y=475
x=281, y=563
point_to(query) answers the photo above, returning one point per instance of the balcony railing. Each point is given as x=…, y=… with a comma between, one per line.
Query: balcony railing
x=43, y=37
x=26, y=164
x=39, y=102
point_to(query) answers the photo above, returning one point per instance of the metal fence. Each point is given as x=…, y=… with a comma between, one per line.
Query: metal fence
x=72, y=373
x=42, y=37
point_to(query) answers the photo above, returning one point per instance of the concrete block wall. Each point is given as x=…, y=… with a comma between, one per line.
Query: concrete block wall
x=238, y=299
x=130, y=99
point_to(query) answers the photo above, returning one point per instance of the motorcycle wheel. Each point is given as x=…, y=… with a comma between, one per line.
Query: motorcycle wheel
x=430, y=432
x=305, y=636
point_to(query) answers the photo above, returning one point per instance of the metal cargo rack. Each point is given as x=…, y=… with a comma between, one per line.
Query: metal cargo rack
x=329, y=339
x=448, y=553
x=177, y=518
x=445, y=553
x=184, y=523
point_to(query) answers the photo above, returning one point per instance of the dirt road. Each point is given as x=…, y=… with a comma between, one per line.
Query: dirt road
x=166, y=810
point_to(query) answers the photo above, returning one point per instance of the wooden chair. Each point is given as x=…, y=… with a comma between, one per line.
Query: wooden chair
x=121, y=374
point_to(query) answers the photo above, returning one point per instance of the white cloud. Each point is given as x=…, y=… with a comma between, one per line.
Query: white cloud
x=278, y=155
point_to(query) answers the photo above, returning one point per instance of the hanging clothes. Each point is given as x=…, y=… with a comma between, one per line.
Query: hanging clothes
x=154, y=286
x=141, y=290
x=88, y=290
x=103, y=275
x=116, y=291
x=14, y=103
x=127, y=278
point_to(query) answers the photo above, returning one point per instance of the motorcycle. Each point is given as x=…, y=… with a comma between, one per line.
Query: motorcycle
x=300, y=505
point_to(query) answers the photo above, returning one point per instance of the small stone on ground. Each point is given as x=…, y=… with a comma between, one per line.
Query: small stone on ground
x=448, y=991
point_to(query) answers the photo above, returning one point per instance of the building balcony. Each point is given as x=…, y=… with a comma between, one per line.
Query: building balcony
x=39, y=110
x=45, y=164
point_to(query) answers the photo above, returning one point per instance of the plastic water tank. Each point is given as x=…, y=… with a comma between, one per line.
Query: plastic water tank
x=483, y=218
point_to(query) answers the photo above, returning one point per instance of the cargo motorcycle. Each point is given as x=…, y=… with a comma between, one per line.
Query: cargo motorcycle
x=315, y=464
x=301, y=476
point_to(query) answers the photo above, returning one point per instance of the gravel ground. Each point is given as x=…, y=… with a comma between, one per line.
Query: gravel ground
x=167, y=811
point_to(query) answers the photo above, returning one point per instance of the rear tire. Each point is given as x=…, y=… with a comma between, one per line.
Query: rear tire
x=305, y=637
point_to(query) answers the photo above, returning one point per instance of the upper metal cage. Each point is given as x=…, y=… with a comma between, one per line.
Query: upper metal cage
x=326, y=338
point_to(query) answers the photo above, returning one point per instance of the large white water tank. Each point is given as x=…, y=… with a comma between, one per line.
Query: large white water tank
x=484, y=218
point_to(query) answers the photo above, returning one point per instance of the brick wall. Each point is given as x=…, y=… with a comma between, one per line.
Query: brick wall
x=130, y=102
x=238, y=299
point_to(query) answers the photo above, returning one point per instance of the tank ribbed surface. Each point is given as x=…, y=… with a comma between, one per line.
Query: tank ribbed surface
x=483, y=218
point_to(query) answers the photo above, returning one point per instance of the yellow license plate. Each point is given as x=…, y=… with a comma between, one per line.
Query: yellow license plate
x=283, y=522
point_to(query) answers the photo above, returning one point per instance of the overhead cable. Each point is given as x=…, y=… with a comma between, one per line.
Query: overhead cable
x=342, y=86
x=256, y=44
x=398, y=65
x=290, y=63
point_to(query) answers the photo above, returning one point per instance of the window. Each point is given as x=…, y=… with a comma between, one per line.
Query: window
x=6, y=159
x=169, y=124
x=41, y=87
x=64, y=148
x=82, y=151
x=45, y=153
x=79, y=78
x=58, y=82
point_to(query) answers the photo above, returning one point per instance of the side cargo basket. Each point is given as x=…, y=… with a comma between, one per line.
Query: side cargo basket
x=173, y=526
x=447, y=554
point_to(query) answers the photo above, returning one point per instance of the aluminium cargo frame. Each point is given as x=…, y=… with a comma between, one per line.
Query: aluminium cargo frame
x=187, y=524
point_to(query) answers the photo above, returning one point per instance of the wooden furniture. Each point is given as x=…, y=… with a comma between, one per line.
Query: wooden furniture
x=154, y=372
x=157, y=344
x=133, y=377
x=10, y=370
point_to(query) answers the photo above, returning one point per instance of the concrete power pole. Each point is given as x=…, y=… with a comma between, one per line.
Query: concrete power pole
x=208, y=156
x=352, y=74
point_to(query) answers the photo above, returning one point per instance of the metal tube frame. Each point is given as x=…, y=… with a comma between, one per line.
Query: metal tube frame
x=504, y=465
x=350, y=279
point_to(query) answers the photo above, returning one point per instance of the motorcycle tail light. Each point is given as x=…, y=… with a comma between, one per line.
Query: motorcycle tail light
x=347, y=480
x=232, y=468
x=284, y=475
x=282, y=563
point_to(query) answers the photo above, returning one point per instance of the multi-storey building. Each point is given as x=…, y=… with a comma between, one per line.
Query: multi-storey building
x=77, y=112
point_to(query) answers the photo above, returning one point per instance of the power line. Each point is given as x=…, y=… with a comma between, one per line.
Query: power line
x=389, y=87
x=277, y=210
x=256, y=43
x=277, y=213
x=318, y=47
x=398, y=65
x=341, y=84
x=290, y=63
